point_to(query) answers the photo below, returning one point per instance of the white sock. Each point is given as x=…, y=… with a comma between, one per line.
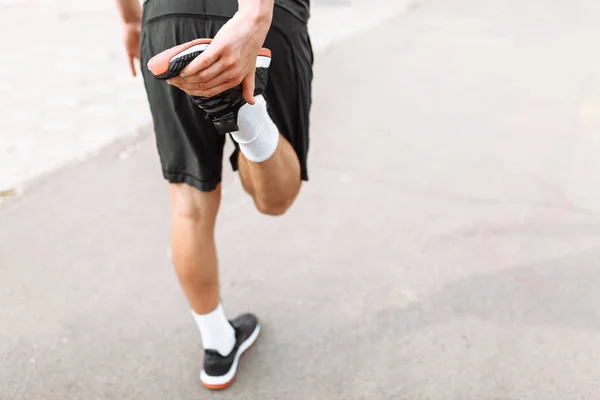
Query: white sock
x=217, y=333
x=258, y=136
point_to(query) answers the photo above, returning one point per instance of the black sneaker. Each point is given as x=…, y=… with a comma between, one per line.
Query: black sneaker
x=219, y=372
x=221, y=109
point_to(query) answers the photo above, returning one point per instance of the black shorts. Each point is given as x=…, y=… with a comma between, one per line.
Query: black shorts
x=190, y=149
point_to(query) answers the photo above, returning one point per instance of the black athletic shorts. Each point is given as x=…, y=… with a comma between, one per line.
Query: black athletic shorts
x=190, y=149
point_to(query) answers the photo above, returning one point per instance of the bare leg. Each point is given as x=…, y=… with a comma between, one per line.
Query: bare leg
x=274, y=183
x=193, y=244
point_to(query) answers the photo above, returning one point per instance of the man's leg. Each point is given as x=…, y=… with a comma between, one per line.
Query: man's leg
x=194, y=215
x=191, y=155
x=273, y=183
x=273, y=170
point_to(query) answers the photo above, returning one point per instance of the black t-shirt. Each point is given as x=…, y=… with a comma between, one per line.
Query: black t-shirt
x=300, y=8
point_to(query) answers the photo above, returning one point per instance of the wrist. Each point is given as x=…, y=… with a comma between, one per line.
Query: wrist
x=132, y=21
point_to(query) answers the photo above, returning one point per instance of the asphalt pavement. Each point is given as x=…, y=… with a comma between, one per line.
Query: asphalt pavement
x=446, y=246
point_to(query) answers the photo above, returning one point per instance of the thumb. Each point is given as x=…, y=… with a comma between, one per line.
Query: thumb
x=248, y=87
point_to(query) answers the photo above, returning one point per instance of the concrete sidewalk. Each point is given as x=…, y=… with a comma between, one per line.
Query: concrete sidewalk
x=445, y=248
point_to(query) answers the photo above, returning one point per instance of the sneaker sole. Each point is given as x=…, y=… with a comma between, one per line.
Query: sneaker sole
x=224, y=381
x=169, y=63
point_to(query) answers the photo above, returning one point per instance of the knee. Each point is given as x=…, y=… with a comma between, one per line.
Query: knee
x=273, y=207
x=190, y=203
x=277, y=203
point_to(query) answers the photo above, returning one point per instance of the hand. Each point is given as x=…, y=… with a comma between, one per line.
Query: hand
x=131, y=39
x=229, y=60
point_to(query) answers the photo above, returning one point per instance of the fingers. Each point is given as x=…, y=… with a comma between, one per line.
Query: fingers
x=207, y=89
x=132, y=65
x=206, y=76
x=218, y=77
x=218, y=84
x=248, y=85
x=202, y=62
x=212, y=91
x=197, y=85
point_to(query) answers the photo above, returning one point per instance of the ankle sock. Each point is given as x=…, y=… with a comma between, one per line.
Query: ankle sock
x=257, y=136
x=217, y=333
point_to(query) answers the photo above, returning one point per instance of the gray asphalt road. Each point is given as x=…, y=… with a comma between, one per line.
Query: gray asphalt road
x=446, y=247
